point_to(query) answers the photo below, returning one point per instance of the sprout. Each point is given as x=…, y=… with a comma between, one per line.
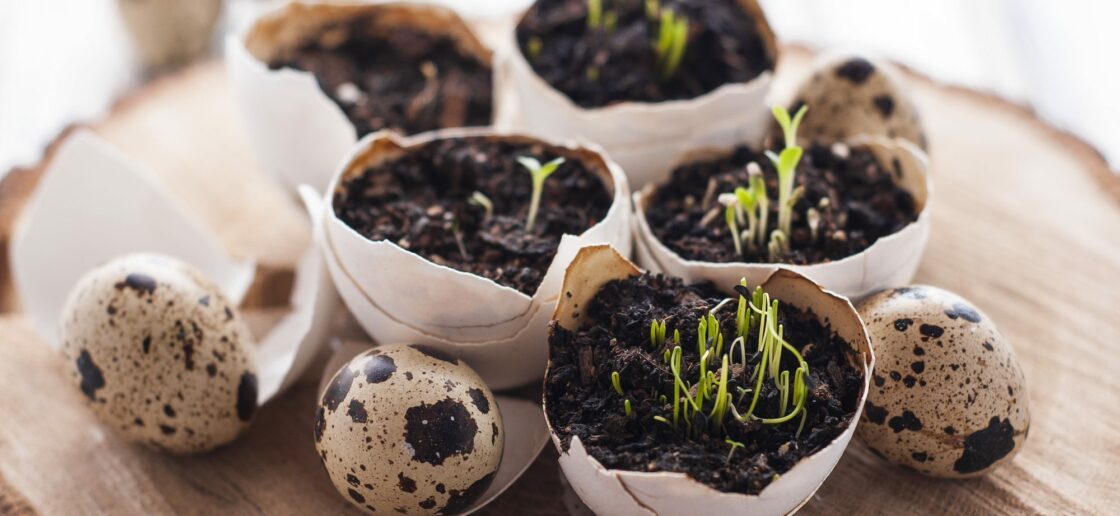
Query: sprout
x=594, y=14
x=592, y=73
x=610, y=21
x=786, y=164
x=616, y=381
x=653, y=9
x=758, y=186
x=534, y=47
x=626, y=406
x=734, y=445
x=672, y=39
x=657, y=331
x=813, y=217
x=480, y=199
x=539, y=173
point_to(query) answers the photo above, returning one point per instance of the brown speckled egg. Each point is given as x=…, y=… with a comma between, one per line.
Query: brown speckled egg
x=160, y=355
x=850, y=96
x=947, y=395
x=409, y=429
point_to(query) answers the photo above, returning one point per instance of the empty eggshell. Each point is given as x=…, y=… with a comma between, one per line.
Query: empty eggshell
x=849, y=95
x=161, y=355
x=948, y=397
x=409, y=429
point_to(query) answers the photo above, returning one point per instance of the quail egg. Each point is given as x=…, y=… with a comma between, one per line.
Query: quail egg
x=850, y=96
x=160, y=354
x=409, y=429
x=947, y=396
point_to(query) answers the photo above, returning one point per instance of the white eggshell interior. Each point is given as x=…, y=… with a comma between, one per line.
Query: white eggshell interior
x=608, y=491
x=94, y=204
x=890, y=261
x=399, y=296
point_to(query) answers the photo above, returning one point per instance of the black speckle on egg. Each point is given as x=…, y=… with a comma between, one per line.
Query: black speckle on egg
x=204, y=300
x=320, y=424
x=919, y=351
x=458, y=501
x=920, y=456
x=435, y=353
x=988, y=346
x=147, y=344
x=428, y=504
x=357, y=411
x=876, y=414
x=247, y=396
x=169, y=411
x=885, y=105
x=479, y=399
x=949, y=430
x=406, y=484
x=910, y=292
x=963, y=311
x=918, y=366
x=379, y=368
x=440, y=430
x=855, y=70
x=356, y=496
x=338, y=389
x=353, y=480
x=167, y=430
x=493, y=432
x=903, y=324
x=91, y=375
x=895, y=375
x=909, y=381
x=141, y=283
x=984, y=447
x=907, y=421
x=930, y=330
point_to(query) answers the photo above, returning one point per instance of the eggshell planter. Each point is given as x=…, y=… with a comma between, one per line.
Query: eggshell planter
x=298, y=133
x=525, y=431
x=890, y=261
x=644, y=138
x=398, y=296
x=610, y=491
x=94, y=204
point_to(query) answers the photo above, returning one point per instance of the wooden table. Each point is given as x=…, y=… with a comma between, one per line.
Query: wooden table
x=1026, y=224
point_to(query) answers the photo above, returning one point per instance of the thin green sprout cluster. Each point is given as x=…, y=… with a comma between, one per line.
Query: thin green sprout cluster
x=704, y=404
x=669, y=48
x=749, y=207
x=539, y=173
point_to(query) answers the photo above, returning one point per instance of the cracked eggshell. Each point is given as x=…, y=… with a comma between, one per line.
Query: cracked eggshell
x=948, y=397
x=890, y=261
x=849, y=95
x=297, y=132
x=398, y=296
x=644, y=138
x=608, y=491
x=410, y=429
x=161, y=355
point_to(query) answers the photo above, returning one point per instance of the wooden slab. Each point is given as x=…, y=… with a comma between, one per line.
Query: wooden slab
x=1024, y=225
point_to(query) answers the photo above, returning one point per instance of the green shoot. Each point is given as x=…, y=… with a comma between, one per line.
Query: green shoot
x=734, y=445
x=653, y=9
x=539, y=173
x=730, y=216
x=672, y=40
x=594, y=14
x=480, y=199
x=534, y=47
x=616, y=382
x=786, y=164
x=592, y=74
x=789, y=126
x=657, y=331
x=610, y=21
x=758, y=186
x=627, y=407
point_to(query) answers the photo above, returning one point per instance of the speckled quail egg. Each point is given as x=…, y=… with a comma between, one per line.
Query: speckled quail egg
x=947, y=396
x=160, y=354
x=850, y=96
x=409, y=429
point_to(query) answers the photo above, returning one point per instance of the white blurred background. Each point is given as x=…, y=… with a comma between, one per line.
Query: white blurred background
x=66, y=61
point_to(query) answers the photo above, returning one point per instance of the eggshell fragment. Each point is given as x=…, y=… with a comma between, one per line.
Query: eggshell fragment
x=849, y=95
x=160, y=354
x=608, y=491
x=890, y=261
x=644, y=138
x=398, y=296
x=297, y=132
x=949, y=398
x=409, y=429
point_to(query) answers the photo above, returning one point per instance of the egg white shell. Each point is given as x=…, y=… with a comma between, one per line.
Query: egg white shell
x=407, y=428
x=297, y=132
x=644, y=138
x=849, y=95
x=398, y=296
x=890, y=261
x=609, y=491
x=948, y=397
x=160, y=354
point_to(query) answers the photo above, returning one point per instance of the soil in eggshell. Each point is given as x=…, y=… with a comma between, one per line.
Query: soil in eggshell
x=864, y=205
x=420, y=202
x=581, y=401
x=407, y=80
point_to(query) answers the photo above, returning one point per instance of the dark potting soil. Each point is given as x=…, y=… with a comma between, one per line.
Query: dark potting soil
x=420, y=202
x=864, y=205
x=598, y=67
x=407, y=80
x=582, y=402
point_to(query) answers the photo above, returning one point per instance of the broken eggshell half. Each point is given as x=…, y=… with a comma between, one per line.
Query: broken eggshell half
x=399, y=296
x=297, y=132
x=888, y=262
x=853, y=95
x=611, y=491
x=644, y=138
x=68, y=229
x=525, y=431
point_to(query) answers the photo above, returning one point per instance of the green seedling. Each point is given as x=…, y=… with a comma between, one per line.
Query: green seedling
x=653, y=10
x=480, y=199
x=786, y=165
x=616, y=382
x=734, y=445
x=534, y=46
x=672, y=40
x=539, y=173
x=594, y=14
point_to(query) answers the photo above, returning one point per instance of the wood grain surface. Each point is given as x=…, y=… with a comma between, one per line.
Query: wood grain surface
x=1026, y=224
